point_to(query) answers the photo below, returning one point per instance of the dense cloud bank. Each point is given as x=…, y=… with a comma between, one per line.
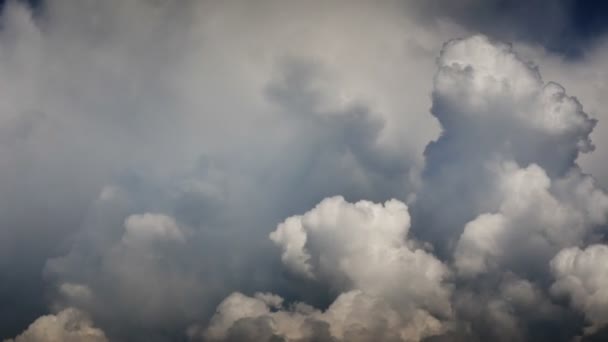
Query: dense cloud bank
x=504, y=165
x=295, y=172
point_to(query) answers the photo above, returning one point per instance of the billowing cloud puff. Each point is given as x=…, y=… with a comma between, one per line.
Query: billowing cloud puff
x=490, y=76
x=391, y=289
x=528, y=197
x=484, y=89
x=532, y=224
x=493, y=107
x=364, y=246
x=69, y=325
x=353, y=316
x=582, y=276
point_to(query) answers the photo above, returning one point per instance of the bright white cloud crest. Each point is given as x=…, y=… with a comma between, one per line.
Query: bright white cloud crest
x=364, y=246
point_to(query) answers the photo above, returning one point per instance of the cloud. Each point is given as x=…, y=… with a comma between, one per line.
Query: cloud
x=149, y=227
x=493, y=108
x=512, y=140
x=150, y=148
x=581, y=276
x=363, y=246
x=532, y=224
x=587, y=81
x=389, y=287
x=498, y=89
x=353, y=316
x=69, y=325
x=501, y=191
x=139, y=268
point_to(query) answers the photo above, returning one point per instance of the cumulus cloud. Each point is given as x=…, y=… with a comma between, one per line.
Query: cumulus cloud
x=502, y=193
x=493, y=108
x=69, y=325
x=586, y=81
x=353, y=316
x=581, y=276
x=389, y=287
x=364, y=246
x=531, y=224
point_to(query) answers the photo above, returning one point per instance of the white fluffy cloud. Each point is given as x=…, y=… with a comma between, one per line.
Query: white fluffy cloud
x=586, y=79
x=504, y=167
x=391, y=289
x=482, y=85
x=69, y=325
x=532, y=224
x=364, y=246
x=502, y=193
x=582, y=276
x=494, y=108
x=353, y=316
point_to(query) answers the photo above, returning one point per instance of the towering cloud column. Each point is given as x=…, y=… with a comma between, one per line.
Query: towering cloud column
x=502, y=193
x=494, y=108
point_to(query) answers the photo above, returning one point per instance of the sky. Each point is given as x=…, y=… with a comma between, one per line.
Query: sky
x=275, y=170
